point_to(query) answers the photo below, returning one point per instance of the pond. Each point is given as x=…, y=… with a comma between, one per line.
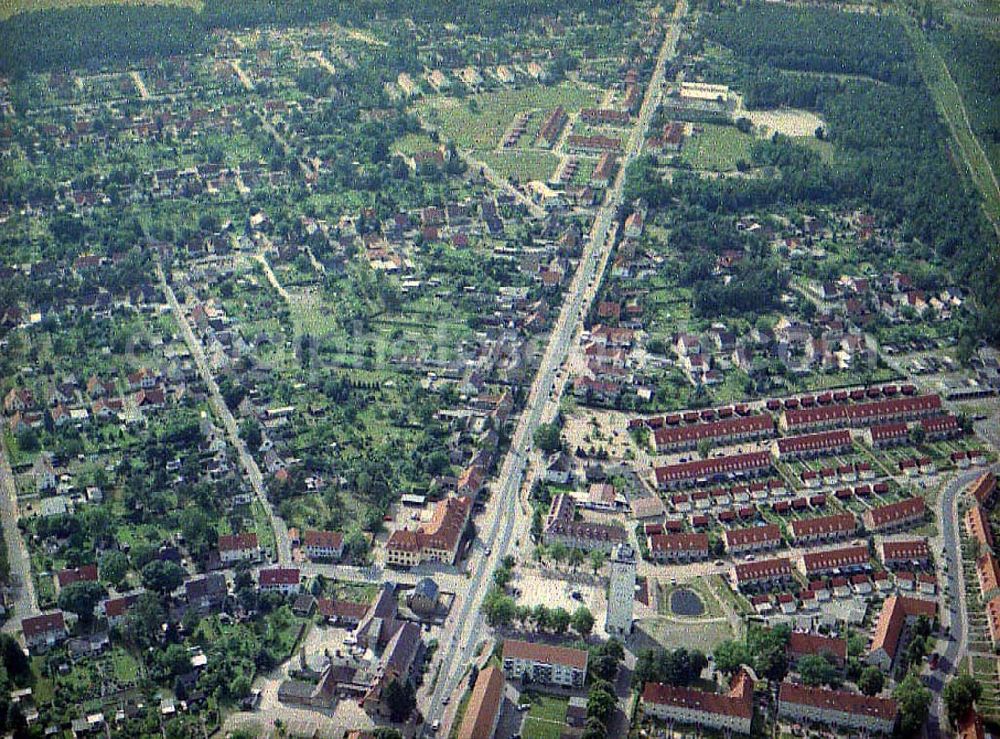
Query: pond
x=686, y=602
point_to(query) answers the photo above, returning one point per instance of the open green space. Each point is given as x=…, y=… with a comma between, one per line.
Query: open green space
x=716, y=148
x=478, y=122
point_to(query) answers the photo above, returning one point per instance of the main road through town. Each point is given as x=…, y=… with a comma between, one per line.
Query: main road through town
x=497, y=531
x=20, y=582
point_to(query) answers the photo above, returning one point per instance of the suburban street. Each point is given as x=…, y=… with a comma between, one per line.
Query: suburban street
x=283, y=549
x=22, y=585
x=955, y=613
x=459, y=653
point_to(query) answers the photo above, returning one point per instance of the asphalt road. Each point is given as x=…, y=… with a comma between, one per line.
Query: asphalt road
x=955, y=610
x=283, y=548
x=22, y=587
x=469, y=624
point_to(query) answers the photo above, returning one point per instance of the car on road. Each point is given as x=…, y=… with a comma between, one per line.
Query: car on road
x=719, y=563
x=575, y=595
x=436, y=725
x=446, y=700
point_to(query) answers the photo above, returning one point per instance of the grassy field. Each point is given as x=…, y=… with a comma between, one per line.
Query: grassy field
x=717, y=148
x=13, y=7
x=479, y=121
x=703, y=635
x=546, y=718
x=522, y=166
x=949, y=103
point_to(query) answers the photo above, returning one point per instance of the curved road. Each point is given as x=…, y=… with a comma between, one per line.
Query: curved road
x=955, y=584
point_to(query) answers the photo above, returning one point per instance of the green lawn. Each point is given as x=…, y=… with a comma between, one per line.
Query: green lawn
x=534, y=729
x=479, y=121
x=716, y=148
x=520, y=165
x=548, y=708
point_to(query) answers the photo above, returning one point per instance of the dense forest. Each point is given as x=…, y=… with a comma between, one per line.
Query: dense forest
x=892, y=148
x=816, y=40
x=93, y=36
x=974, y=61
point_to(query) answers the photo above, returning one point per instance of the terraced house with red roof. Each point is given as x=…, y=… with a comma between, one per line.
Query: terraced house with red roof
x=678, y=547
x=823, y=528
x=836, y=708
x=730, y=712
x=904, y=552
x=717, y=468
x=752, y=539
x=767, y=573
x=727, y=431
x=896, y=515
x=813, y=445
x=841, y=560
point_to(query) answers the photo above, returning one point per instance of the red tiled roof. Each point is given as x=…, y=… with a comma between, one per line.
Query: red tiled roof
x=279, y=576
x=322, y=539
x=237, y=542
x=904, y=549
x=819, y=562
x=894, y=512
x=84, y=573
x=752, y=535
x=814, y=442
x=892, y=619
x=837, y=523
x=759, y=424
x=544, y=653
x=883, y=709
x=484, y=704
x=738, y=702
x=801, y=644
x=678, y=542
x=43, y=624
x=765, y=568
x=715, y=466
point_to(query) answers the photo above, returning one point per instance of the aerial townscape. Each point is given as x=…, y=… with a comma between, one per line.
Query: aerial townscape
x=529, y=370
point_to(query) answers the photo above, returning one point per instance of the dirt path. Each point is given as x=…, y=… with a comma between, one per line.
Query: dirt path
x=139, y=84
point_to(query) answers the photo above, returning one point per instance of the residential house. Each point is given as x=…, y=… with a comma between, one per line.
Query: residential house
x=544, y=664
x=837, y=708
x=729, y=713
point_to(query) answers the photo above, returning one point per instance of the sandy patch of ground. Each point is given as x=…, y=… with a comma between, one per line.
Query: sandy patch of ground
x=787, y=121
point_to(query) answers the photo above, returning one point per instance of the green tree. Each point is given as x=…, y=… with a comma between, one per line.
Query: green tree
x=914, y=704
x=817, y=670
x=14, y=660
x=114, y=567
x=583, y=621
x=575, y=557
x=597, y=560
x=81, y=598
x=601, y=702
x=871, y=680
x=959, y=696
x=548, y=437
x=162, y=577
x=730, y=655
x=401, y=699
x=559, y=552
x=559, y=620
